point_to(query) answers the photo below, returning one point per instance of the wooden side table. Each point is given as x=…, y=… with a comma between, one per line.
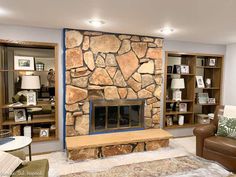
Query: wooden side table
x=19, y=142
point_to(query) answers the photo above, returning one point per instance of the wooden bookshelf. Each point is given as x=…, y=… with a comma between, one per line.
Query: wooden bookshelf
x=197, y=66
x=8, y=88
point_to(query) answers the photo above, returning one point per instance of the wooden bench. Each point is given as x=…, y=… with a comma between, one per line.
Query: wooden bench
x=104, y=145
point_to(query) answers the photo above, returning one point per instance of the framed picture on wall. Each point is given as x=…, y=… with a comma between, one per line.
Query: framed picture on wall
x=24, y=63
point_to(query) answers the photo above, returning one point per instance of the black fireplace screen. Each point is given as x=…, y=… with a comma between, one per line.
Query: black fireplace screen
x=110, y=115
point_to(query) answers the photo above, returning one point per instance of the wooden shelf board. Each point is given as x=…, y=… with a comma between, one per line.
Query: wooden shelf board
x=177, y=113
x=208, y=67
x=39, y=104
x=10, y=70
x=40, y=139
x=207, y=104
x=170, y=74
x=212, y=88
x=33, y=121
x=181, y=126
x=182, y=101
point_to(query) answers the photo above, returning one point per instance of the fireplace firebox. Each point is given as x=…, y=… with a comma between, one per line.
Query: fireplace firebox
x=115, y=115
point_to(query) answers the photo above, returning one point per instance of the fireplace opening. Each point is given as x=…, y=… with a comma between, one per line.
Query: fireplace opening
x=115, y=115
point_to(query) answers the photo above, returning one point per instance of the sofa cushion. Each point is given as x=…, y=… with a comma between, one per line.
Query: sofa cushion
x=227, y=127
x=8, y=163
x=221, y=144
x=34, y=168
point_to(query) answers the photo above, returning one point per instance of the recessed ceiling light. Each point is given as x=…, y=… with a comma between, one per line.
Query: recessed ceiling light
x=96, y=22
x=166, y=30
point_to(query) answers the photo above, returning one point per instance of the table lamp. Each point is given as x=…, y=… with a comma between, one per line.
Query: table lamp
x=30, y=83
x=176, y=85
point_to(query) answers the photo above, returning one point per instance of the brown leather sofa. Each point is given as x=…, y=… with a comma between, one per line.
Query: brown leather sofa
x=217, y=148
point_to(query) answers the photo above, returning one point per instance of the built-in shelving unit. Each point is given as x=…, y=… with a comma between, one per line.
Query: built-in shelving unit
x=198, y=66
x=8, y=88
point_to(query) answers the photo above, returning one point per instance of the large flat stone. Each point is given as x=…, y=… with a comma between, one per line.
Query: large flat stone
x=82, y=124
x=89, y=60
x=154, y=53
x=128, y=64
x=119, y=79
x=74, y=58
x=83, y=154
x=73, y=38
x=105, y=43
x=100, y=77
x=116, y=150
x=139, y=48
x=111, y=93
x=75, y=94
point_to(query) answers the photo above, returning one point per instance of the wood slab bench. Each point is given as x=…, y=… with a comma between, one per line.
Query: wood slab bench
x=104, y=145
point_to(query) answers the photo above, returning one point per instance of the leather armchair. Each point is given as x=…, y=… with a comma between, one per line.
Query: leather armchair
x=217, y=148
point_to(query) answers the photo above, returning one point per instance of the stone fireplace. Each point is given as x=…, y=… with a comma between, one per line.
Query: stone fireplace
x=115, y=115
x=106, y=68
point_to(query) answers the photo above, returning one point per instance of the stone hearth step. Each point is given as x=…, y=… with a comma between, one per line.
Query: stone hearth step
x=104, y=145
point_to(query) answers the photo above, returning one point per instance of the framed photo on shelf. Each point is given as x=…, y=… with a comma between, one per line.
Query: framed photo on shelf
x=24, y=63
x=184, y=69
x=203, y=98
x=212, y=62
x=177, y=69
x=169, y=69
x=20, y=115
x=169, y=120
x=182, y=107
x=211, y=100
x=200, y=82
x=44, y=132
x=31, y=98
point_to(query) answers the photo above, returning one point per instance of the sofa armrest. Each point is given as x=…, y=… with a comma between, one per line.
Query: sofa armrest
x=19, y=154
x=205, y=131
x=201, y=133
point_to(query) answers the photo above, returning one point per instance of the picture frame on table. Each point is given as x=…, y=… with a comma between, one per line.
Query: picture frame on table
x=183, y=107
x=20, y=115
x=200, y=82
x=184, y=69
x=24, y=63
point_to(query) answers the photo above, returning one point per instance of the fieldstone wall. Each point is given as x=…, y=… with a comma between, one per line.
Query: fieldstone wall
x=110, y=66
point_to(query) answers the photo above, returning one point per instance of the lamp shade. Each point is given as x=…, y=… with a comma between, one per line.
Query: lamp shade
x=30, y=82
x=177, y=83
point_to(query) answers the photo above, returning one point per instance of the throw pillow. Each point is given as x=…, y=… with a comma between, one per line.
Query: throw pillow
x=227, y=127
x=8, y=164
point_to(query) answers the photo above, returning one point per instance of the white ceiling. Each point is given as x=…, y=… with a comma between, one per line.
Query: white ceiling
x=206, y=21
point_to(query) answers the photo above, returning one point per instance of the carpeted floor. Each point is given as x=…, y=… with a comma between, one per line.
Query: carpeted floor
x=59, y=165
x=190, y=166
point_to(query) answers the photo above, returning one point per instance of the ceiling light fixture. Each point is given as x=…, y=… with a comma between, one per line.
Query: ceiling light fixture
x=3, y=12
x=166, y=30
x=96, y=22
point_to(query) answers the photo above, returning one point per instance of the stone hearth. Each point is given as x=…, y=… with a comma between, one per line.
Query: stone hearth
x=109, y=66
x=105, y=145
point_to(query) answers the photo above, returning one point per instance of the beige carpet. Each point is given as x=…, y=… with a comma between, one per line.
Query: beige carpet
x=190, y=166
